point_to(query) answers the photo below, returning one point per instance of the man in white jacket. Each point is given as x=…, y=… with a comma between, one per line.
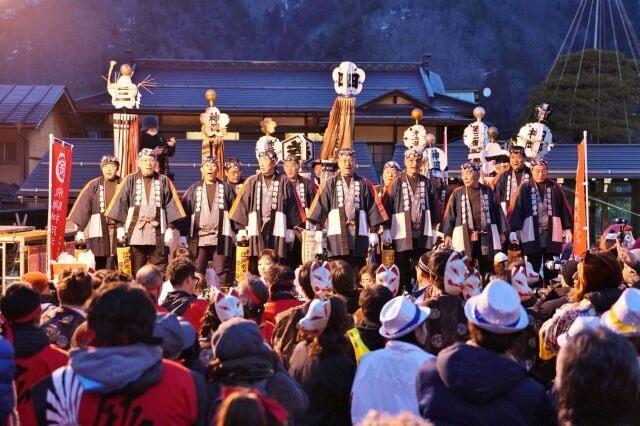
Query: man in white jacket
x=386, y=379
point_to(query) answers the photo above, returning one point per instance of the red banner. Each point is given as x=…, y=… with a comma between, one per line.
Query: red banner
x=580, y=210
x=59, y=180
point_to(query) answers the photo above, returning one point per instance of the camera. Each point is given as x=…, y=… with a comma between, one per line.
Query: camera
x=555, y=265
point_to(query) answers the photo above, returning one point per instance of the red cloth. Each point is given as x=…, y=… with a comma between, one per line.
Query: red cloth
x=30, y=371
x=271, y=310
x=195, y=313
x=171, y=401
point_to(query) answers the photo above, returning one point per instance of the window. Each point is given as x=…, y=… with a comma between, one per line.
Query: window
x=380, y=154
x=8, y=152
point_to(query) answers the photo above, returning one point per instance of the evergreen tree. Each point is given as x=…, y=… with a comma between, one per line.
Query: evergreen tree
x=604, y=102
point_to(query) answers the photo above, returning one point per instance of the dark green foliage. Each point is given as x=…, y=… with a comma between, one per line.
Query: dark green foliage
x=596, y=101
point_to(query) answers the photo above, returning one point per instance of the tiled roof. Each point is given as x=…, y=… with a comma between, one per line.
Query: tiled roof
x=605, y=160
x=185, y=164
x=28, y=104
x=268, y=86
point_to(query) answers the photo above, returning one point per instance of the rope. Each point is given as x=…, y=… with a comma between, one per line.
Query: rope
x=555, y=61
x=581, y=8
x=626, y=24
x=598, y=200
x=584, y=44
x=615, y=44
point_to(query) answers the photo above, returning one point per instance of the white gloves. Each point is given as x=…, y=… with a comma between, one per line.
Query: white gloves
x=120, y=235
x=513, y=237
x=168, y=237
x=289, y=236
x=80, y=237
x=242, y=234
x=318, y=237
x=183, y=241
x=386, y=237
x=568, y=236
x=373, y=239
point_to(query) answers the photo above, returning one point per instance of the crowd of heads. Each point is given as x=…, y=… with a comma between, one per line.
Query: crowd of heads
x=593, y=332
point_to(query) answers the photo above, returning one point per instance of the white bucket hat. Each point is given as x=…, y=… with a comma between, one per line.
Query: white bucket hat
x=624, y=316
x=497, y=309
x=578, y=325
x=400, y=316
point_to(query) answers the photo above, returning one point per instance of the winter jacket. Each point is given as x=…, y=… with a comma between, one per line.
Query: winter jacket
x=385, y=380
x=284, y=336
x=7, y=391
x=594, y=303
x=468, y=385
x=243, y=359
x=122, y=385
x=370, y=335
x=60, y=325
x=447, y=323
x=188, y=306
x=277, y=304
x=327, y=381
x=35, y=360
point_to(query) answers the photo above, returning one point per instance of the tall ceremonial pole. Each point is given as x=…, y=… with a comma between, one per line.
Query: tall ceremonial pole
x=581, y=201
x=586, y=181
x=214, y=127
x=125, y=95
x=347, y=82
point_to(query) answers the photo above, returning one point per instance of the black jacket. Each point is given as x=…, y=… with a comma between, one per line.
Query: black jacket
x=151, y=142
x=468, y=385
x=327, y=380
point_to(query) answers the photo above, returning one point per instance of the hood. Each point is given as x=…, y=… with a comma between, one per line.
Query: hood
x=477, y=374
x=237, y=338
x=604, y=298
x=28, y=340
x=239, y=348
x=178, y=301
x=126, y=369
x=370, y=335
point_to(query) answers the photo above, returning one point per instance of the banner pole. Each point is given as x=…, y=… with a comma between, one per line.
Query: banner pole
x=48, y=251
x=586, y=186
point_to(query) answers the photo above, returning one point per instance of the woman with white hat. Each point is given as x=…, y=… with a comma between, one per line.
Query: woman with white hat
x=385, y=379
x=480, y=382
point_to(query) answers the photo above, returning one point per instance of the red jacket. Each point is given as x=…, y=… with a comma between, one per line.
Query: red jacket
x=187, y=306
x=35, y=360
x=271, y=309
x=174, y=400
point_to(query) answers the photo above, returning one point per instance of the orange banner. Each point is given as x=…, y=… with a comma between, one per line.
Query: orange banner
x=580, y=211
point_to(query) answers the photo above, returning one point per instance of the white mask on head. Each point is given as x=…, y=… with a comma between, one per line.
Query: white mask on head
x=228, y=306
x=455, y=273
x=519, y=281
x=389, y=277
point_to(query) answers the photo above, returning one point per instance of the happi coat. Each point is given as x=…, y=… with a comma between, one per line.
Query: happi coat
x=88, y=213
x=458, y=222
x=306, y=191
x=284, y=212
x=329, y=209
x=523, y=216
x=507, y=186
x=407, y=208
x=126, y=204
x=207, y=221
